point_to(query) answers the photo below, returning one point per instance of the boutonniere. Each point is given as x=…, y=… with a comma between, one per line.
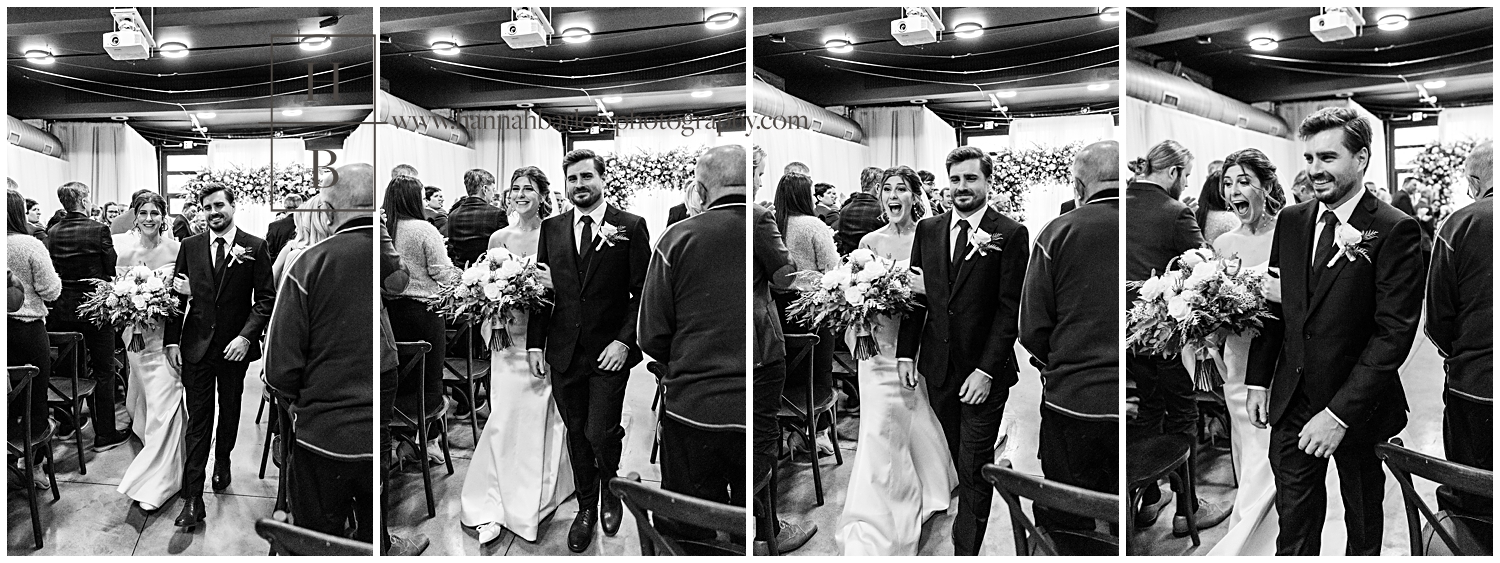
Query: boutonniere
x=240, y=254
x=609, y=234
x=1352, y=243
x=983, y=243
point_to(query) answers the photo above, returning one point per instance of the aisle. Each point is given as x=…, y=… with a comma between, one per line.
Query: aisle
x=92, y=518
x=1019, y=427
x=449, y=537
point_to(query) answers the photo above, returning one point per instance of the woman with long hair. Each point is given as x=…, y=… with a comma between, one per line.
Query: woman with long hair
x=29, y=265
x=809, y=241
x=1213, y=214
x=308, y=230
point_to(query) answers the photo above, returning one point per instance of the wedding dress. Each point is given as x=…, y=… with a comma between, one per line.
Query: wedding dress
x=158, y=415
x=903, y=472
x=520, y=472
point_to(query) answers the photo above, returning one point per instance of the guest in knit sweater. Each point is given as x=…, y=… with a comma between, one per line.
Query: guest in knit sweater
x=26, y=342
x=810, y=243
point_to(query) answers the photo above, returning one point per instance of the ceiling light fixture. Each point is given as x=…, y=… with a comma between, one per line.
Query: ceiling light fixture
x=1109, y=14
x=968, y=30
x=40, y=56
x=1392, y=22
x=118, y=118
x=702, y=93
x=838, y=45
x=291, y=112
x=1263, y=44
x=576, y=35
x=173, y=50
x=1098, y=86
x=612, y=99
x=722, y=20
x=1435, y=84
x=207, y=115
x=315, y=42
x=525, y=105
x=448, y=48
x=919, y=101
x=1006, y=94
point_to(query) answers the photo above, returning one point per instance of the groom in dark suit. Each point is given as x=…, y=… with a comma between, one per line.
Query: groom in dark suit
x=229, y=278
x=963, y=338
x=586, y=340
x=1348, y=314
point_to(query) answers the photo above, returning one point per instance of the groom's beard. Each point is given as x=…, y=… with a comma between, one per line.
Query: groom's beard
x=975, y=201
x=1329, y=188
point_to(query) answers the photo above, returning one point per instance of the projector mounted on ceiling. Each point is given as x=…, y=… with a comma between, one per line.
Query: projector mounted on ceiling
x=1336, y=24
x=131, y=40
x=919, y=27
x=529, y=29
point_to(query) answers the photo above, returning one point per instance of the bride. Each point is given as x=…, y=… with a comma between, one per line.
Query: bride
x=155, y=396
x=1254, y=195
x=903, y=472
x=520, y=471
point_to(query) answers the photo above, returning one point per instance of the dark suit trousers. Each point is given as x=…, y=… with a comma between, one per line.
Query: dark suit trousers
x=330, y=496
x=1081, y=453
x=590, y=402
x=972, y=431
x=199, y=381
x=1467, y=435
x=100, y=344
x=1302, y=497
x=1168, y=404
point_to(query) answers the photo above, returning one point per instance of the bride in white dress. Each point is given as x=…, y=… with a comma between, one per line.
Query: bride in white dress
x=903, y=472
x=520, y=471
x=1253, y=194
x=154, y=399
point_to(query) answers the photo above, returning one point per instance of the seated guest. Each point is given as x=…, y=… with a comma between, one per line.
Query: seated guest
x=861, y=214
x=827, y=203
x=319, y=353
x=474, y=219
x=284, y=227
x=433, y=211
x=29, y=268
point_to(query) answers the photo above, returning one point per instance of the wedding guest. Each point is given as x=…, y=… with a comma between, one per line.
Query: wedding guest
x=82, y=250
x=29, y=266
x=1213, y=213
x=677, y=213
x=1460, y=323
x=827, y=207
x=1069, y=292
x=474, y=219
x=403, y=170
x=433, y=211
x=795, y=167
x=861, y=214
x=929, y=180
x=1402, y=198
x=121, y=218
x=284, y=227
x=308, y=229
x=810, y=244
x=683, y=325
x=182, y=223
x=393, y=279
x=1302, y=187
x=34, y=220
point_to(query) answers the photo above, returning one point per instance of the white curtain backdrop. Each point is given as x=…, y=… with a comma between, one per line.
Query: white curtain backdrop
x=38, y=176
x=1457, y=124
x=1148, y=124
x=911, y=136
x=112, y=158
x=254, y=153
x=1059, y=131
x=438, y=163
x=832, y=160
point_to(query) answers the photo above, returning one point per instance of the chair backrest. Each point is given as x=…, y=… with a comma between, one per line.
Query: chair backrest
x=287, y=539
x=644, y=500
x=69, y=347
x=1404, y=463
x=657, y=369
x=803, y=345
x=21, y=380
x=1014, y=485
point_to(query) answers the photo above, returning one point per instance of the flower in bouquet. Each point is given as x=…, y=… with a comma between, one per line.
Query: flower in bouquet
x=853, y=296
x=494, y=288
x=138, y=299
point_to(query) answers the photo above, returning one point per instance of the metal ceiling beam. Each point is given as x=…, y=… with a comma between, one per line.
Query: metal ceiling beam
x=1176, y=24
x=103, y=23
x=456, y=17
x=857, y=91
x=789, y=20
x=1283, y=86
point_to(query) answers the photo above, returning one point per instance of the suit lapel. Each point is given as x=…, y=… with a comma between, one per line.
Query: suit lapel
x=1360, y=220
x=987, y=223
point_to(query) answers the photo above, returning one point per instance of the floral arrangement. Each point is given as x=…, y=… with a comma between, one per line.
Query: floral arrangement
x=1017, y=171
x=1440, y=166
x=494, y=288
x=258, y=185
x=138, y=298
x=852, y=296
x=670, y=170
x=1196, y=303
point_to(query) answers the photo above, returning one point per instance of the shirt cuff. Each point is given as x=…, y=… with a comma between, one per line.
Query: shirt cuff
x=627, y=346
x=986, y=375
x=1256, y=387
x=172, y=346
x=907, y=360
x=1336, y=418
x=533, y=349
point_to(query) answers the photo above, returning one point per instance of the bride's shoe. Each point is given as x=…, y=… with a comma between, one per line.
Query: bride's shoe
x=488, y=532
x=147, y=507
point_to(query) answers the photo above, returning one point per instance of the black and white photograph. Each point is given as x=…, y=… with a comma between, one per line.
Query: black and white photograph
x=565, y=193
x=189, y=282
x=936, y=285
x=1308, y=268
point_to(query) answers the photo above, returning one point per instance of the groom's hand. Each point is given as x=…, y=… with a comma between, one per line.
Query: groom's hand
x=174, y=356
x=613, y=356
x=1321, y=435
x=975, y=389
x=538, y=361
x=1257, y=406
x=237, y=349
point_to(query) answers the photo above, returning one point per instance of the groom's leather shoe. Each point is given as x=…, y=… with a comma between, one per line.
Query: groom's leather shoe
x=221, y=477
x=192, y=513
x=610, y=513
x=582, y=532
x=1208, y=515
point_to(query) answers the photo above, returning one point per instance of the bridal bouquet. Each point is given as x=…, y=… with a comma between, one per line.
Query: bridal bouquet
x=494, y=288
x=139, y=298
x=853, y=295
x=1196, y=303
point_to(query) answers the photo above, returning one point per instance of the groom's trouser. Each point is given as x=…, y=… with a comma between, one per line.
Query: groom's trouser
x=199, y=382
x=1467, y=435
x=1079, y=452
x=326, y=494
x=590, y=402
x=100, y=344
x=972, y=431
x=1301, y=494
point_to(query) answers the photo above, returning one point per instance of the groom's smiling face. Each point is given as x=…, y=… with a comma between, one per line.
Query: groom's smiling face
x=1331, y=168
x=218, y=210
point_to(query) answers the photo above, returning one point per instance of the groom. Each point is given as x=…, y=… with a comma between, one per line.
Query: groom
x=586, y=340
x=974, y=262
x=1348, y=315
x=229, y=278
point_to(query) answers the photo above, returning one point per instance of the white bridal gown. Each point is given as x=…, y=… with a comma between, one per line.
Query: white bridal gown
x=520, y=472
x=903, y=472
x=158, y=416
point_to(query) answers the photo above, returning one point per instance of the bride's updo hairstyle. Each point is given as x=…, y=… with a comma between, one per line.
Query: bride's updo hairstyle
x=913, y=183
x=1163, y=156
x=1256, y=163
x=543, y=192
x=161, y=205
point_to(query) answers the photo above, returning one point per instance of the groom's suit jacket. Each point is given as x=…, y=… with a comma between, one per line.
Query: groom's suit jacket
x=1340, y=342
x=595, y=298
x=972, y=321
x=229, y=301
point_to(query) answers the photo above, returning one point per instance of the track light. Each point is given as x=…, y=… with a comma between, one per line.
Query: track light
x=447, y=48
x=173, y=50
x=1263, y=44
x=576, y=35
x=838, y=45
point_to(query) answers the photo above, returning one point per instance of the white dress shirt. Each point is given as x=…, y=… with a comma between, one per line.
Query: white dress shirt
x=228, y=237
x=598, y=216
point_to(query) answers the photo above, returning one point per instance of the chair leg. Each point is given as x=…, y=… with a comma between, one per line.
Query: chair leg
x=817, y=467
x=36, y=518
x=265, y=450
x=83, y=468
x=833, y=435
x=655, y=443
x=51, y=467
x=443, y=435
x=426, y=467
x=260, y=411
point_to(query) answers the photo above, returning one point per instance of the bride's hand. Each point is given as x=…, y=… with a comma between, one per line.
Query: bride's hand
x=918, y=282
x=180, y=285
x=1272, y=285
x=544, y=273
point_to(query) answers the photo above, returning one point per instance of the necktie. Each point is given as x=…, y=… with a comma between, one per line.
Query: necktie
x=1326, y=246
x=218, y=252
x=960, y=247
x=586, y=238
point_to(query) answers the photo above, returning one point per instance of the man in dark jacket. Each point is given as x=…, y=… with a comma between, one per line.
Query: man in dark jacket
x=433, y=210
x=1460, y=322
x=82, y=250
x=283, y=229
x=319, y=354
x=827, y=203
x=1068, y=304
x=473, y=220
x=861, y=214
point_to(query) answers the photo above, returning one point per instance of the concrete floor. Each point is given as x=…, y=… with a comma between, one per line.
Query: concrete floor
x=92, y=518
x=796, y=501
x=408, y=513
x=1422, y=377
